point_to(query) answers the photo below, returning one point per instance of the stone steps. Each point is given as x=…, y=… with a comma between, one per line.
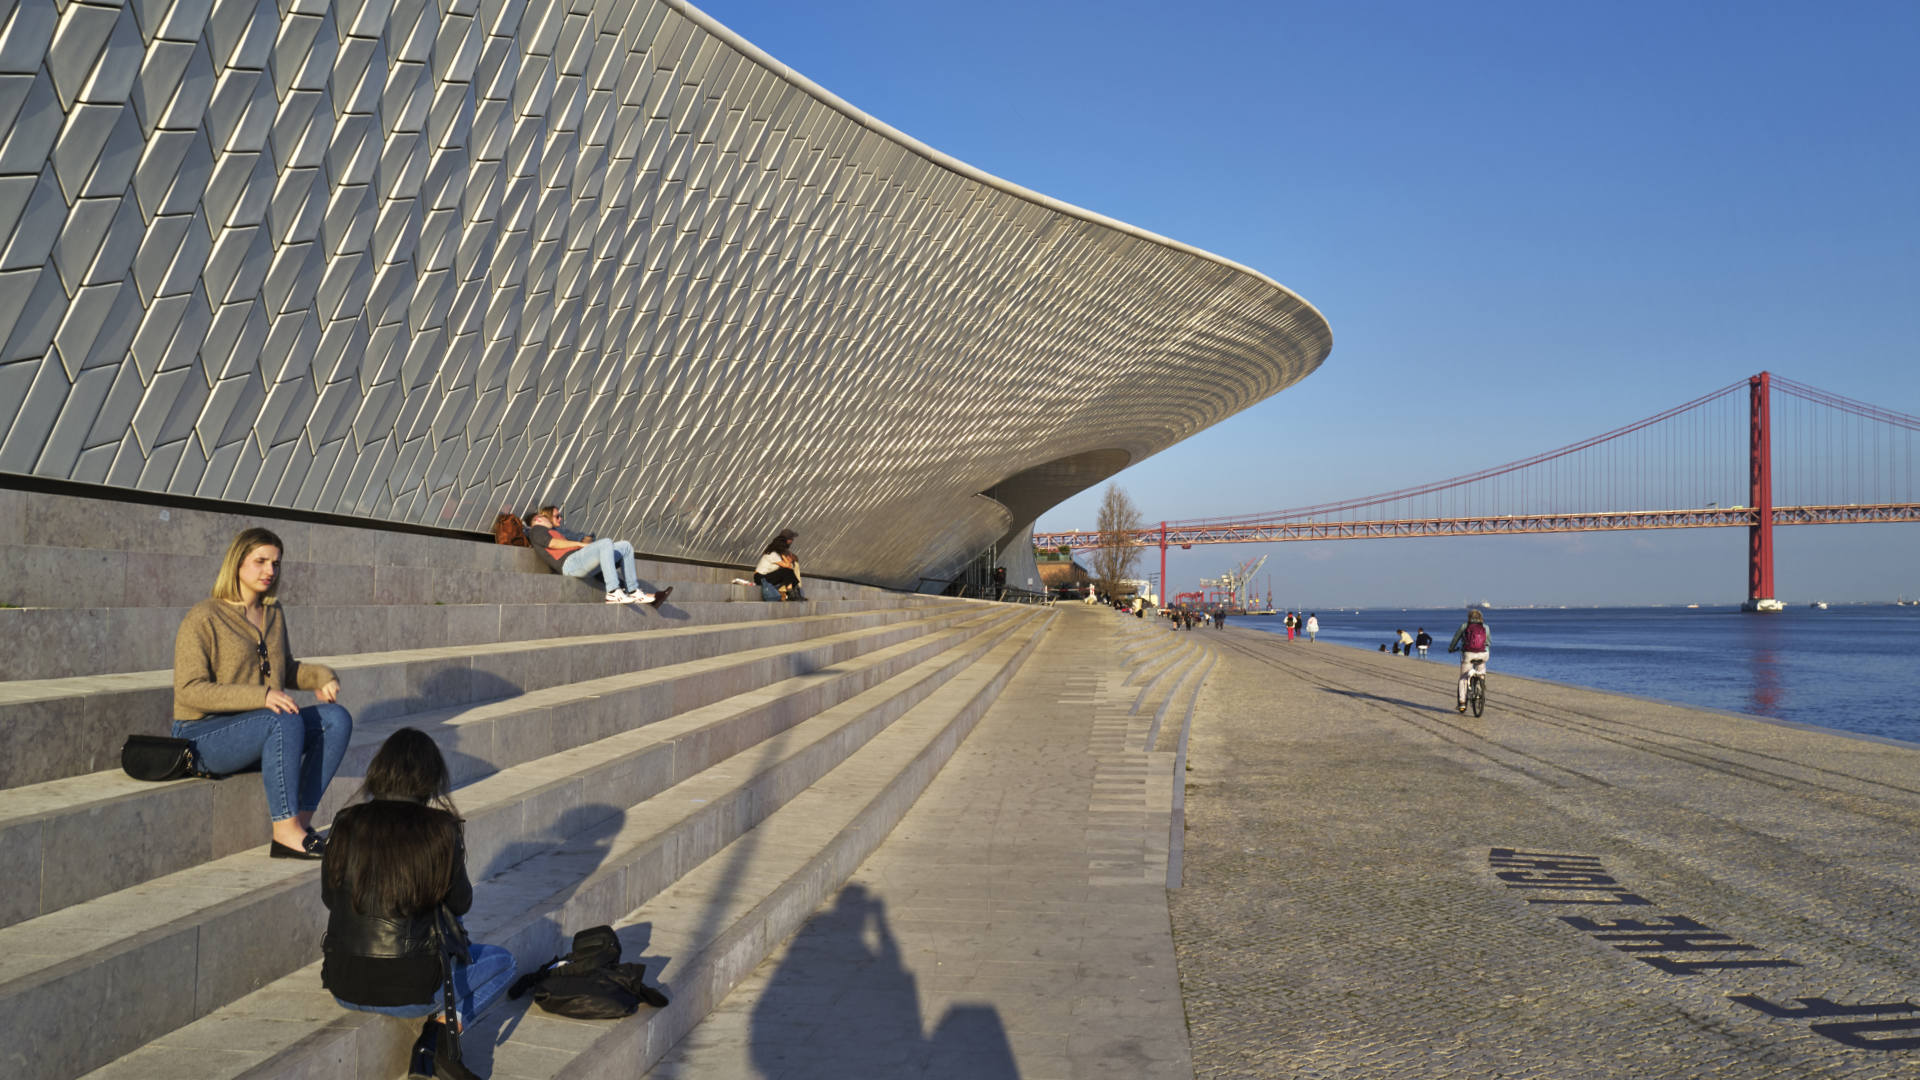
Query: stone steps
x=174, y=948
x=721, y=865
x=56, y=642
x=63, y=551
x=91, y=715
x=602, y=756
x=86, y=836
x=1175, y=684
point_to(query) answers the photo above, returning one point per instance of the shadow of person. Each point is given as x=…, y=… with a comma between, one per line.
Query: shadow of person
x=1359, y=695
x=842, y=1003
x=568, y=851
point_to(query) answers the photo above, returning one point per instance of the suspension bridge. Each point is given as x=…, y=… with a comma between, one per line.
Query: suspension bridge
x=1811, y=458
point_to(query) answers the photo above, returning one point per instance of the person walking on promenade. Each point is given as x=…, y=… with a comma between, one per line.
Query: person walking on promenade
x=1471, y=641
x=1313, y=627
x=579, y=554
x=395, y=885
x=1293, y=624
x=1406, y=642
x=232, y=665
x=1421, y=640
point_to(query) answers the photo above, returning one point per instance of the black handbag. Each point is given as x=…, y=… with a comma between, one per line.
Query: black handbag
x=157, y=757
x=451, y=938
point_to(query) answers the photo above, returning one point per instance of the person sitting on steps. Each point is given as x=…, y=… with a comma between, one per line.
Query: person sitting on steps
x=232, y=666
x=396, y=861
x=778, y=571
x=578, y=555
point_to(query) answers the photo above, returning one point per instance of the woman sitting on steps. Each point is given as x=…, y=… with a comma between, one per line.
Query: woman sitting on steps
x=231, y=669
x=778, y=571
x=395, y=883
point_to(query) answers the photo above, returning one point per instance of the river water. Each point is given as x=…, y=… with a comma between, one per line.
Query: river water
x=1850, y=668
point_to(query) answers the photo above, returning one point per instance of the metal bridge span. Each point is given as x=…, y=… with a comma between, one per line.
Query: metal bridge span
x=1836, y=446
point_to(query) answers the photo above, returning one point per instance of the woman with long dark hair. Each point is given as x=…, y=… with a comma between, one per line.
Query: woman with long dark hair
x=395, y=884
x=778, y=571
x=232, y=667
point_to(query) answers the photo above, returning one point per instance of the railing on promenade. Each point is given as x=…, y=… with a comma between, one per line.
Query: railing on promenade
x=959, y=586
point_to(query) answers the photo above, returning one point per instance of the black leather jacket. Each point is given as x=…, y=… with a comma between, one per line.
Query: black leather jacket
x=389, y=958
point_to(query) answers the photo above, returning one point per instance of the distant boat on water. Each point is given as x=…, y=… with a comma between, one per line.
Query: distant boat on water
x=1818, y=605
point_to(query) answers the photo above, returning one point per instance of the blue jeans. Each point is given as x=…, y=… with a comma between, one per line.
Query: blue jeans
x=610, y=557
x=298, y=753
x=476, y=986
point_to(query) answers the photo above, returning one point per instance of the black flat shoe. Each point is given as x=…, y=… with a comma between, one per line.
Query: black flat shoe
x=313, y=847
x=661, y=596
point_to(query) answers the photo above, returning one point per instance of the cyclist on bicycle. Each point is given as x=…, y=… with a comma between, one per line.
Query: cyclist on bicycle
x=1470, y=641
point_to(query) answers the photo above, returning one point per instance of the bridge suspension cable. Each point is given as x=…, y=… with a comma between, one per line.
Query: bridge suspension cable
x=1725, y=458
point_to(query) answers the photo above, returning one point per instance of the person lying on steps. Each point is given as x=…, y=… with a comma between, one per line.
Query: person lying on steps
x=580, y=554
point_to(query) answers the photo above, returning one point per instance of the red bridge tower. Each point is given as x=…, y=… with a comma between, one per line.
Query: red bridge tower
x=1760, y=500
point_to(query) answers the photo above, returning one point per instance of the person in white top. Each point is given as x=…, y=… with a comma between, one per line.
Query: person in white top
x=778, y=571
x=1313, y=626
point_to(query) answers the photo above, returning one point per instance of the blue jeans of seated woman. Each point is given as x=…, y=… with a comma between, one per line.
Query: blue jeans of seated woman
x=476, y=986
x=614, y=560
x=298, y=753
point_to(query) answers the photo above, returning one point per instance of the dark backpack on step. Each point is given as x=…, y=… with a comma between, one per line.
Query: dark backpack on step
x=590, y=983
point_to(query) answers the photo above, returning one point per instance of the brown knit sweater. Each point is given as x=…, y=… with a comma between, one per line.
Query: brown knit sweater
x=216, y=662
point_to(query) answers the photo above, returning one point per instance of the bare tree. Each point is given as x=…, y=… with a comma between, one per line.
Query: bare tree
x=1119, y=548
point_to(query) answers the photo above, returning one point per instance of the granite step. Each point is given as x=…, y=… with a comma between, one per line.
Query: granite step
x=1146, y=662
x=53, y=728
x=116, y=554
x=65, y=642
x=1170, y=691
x=77, y=838
x=717, y=923
x=51, y=576
x=610, y=861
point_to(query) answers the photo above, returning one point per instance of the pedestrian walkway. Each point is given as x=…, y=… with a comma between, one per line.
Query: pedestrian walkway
x=1014, y=925
x=1576, y=885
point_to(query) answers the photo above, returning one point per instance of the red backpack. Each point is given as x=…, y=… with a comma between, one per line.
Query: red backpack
x=510, y=530
x=1475, y=639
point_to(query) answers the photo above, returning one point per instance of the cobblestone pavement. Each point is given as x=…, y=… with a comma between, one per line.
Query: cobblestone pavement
x=1369, y=891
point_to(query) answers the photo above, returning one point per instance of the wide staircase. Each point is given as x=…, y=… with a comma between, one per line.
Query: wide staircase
x=701, y=774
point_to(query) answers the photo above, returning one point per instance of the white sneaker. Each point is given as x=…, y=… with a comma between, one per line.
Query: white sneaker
x=615, y=596
x=638, y=597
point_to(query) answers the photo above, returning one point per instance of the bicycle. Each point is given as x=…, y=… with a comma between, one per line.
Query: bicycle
x=1477, y=687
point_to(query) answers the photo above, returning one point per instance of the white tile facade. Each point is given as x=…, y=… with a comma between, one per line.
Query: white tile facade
x=419, y=260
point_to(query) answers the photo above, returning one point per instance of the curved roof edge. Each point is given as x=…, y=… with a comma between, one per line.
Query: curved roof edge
x=947, y=161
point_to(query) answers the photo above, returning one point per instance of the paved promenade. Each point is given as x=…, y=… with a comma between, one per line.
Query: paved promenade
x=1576, y=885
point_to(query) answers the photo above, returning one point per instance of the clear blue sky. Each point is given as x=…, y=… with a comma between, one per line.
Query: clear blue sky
x=1527, y=223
